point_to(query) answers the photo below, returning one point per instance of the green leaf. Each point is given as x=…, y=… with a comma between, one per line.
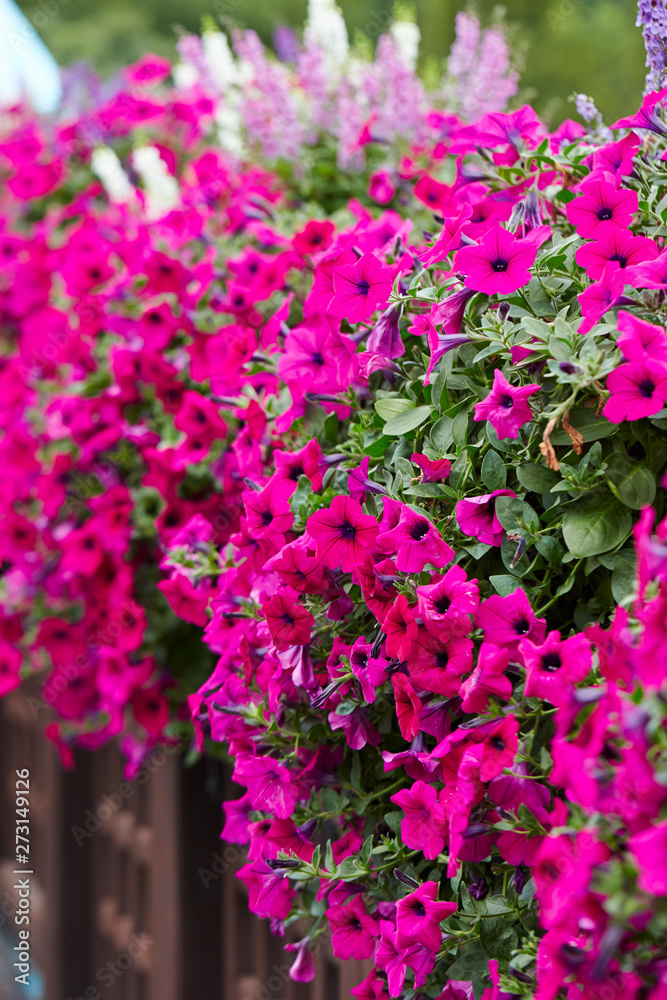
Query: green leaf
x=441, y=435
x=494, y=471
x=460, y=427
x=393, y=407
x=407, y=421
x=498, y=937
x=594, y=524
x=504, y=584
x=592, y=428
x=394, y=819
x=425, y=490
x=471, y=965
x=633, y=483
x=550, y=548
x=623, y=576
x=537, y=478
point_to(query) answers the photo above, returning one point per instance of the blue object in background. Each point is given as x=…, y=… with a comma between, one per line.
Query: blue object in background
x=27, y=68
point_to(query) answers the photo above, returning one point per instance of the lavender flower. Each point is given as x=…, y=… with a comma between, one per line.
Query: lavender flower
x=652, y=19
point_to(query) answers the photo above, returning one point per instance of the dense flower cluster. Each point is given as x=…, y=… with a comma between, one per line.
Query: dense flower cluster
x=399, y=450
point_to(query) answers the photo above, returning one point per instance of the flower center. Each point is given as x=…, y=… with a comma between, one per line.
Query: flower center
x=500, y=264
x=442, y=605
x=522, y=626
x=604, y=214
x=551, y=662
x=287, y=618
x=506, y=402
x=363, y=287
x=418, y=909
x=646, y=388
x=267, y=517
x=347, y=530
x=497, y=743
x=442, y=659
x=295, y=472
x=318, y=359
x=621, y=258
x=418, y=530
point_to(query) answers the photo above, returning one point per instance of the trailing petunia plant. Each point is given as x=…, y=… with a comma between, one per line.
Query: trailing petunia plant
x=394, y=438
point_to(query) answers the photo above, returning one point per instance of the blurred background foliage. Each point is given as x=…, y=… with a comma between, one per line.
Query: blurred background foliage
x=589, y=46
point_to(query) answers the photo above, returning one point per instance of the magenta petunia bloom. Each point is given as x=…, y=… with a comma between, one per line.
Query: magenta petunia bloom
x=638, y=389
x=416, y=542
x=507, y=620
x=488, y=678
x=269, y=891
x=562, y=873
x=650, y=274
x=433, y=471
x=638, y=338
x=360, y=289
x=418, y=917
x=437, y=662
x=476, y=517
x=446, y=605
x=647, y=116
x=289, y=622
x=408, y=706
x=554, y=666
x=269, y=785
x=506, y=407
x=424, y=827
x=619, y=245
x=343, y=533
x=649, y=848
x=499, y=265
x=603, y=295
x=400, y=627
x=600, y=207
x=353, y=931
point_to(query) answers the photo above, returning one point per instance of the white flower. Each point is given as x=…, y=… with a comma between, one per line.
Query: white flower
x=407, y=37
x=326, y=29
x=161, y=188
x=221, y=63
x=106, y=165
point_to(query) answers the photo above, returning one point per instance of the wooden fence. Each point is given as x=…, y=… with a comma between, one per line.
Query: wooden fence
x=134, y=895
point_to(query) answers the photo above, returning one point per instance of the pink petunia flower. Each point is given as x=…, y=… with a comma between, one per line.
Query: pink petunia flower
x=437, y=662
x=499, y=264
x=506, y=407
x=418, y=917
x=554, y=666
x=353, y=931
x=638, y=389
x=488, y=678
x=600, y=207
x=416, y=542
x=649, y=848
x=637, y=338
x=647, y=116
x=343, y=533
x=424, y=827
x=603, y=295
x=360, y=289
x=446, y=605
x=476, y=517
x=289, y=622
x=507, y=620
x=619, y=245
